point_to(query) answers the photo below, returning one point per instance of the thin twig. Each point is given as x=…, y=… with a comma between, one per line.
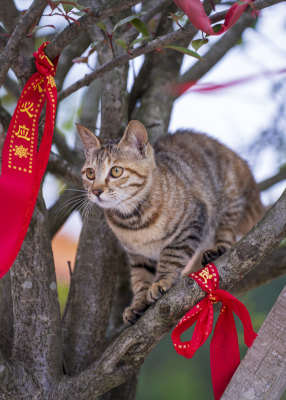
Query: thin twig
x=267, y=183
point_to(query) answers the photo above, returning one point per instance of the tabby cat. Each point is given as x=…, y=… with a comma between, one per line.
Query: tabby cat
x=169, y=203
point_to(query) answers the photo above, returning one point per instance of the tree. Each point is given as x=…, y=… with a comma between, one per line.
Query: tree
x=42, y=355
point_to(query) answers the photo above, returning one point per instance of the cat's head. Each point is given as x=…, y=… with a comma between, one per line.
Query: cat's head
x=117, y=172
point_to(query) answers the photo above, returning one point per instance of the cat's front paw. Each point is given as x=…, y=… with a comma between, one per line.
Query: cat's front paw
x=157, y=289
x=212, y=255
x=132, y=313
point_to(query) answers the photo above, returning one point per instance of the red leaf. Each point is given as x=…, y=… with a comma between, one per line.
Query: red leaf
x=53, y=5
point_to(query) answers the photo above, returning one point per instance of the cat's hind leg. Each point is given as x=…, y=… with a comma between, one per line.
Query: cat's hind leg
x=142, y=272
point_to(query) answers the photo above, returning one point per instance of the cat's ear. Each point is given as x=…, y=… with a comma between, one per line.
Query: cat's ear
x=88, y=139
x=135, y=136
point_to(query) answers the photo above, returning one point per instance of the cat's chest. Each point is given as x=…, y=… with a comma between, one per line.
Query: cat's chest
x=147, y=241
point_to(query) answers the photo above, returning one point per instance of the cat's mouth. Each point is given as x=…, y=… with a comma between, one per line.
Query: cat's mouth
x=104, y=202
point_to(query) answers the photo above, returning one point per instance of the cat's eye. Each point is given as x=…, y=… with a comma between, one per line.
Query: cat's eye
x=116, y=172
x=90, y=174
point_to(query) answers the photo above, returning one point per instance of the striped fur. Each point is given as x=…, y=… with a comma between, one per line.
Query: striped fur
x=172, y=202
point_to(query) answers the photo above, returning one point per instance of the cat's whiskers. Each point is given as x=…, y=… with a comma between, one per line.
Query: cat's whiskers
x=86, y=212
x=83, y=209
x=73, y=204
x=76, y=190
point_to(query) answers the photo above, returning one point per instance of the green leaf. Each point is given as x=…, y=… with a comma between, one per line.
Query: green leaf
x=176, y=17
x=127, y=19
x=121, y=43
x=196, y=44
x=79, y=13
x=217, y=28
x=79, y=7
x=53, y=4
x=185, y=51
x=101, y=25
x=140, y=26
x=37, y=28
x=94, y=44
x=68, y=5
x=139, y=40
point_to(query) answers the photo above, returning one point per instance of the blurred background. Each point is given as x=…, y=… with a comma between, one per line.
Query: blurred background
x=250, y=118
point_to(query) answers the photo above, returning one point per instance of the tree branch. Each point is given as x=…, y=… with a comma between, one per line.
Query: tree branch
x=124, y=58
x=157, y=43
x=267, y=183
x=71, y=32
x=69, y=155
x=64, y=170
x=23, y=26
x=70, y=52
x=5, y=118
x=124, y=356
x=12, y=87
x=272, y=267
x=61, y=210
x=262, y=372
x=9, y=15
x=74, y=30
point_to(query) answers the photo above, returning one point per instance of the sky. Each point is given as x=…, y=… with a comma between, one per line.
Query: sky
x=235, y=115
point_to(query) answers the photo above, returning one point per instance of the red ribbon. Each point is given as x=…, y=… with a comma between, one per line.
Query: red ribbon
x=23, y=165
x=207, y=87
x=197, y=16
x=224, y=350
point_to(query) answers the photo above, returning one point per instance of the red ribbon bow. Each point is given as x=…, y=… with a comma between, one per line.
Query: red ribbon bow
x=224, y=350
x=196, y=14
x=22, y=165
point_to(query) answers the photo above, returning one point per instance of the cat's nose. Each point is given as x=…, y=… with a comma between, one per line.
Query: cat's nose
x=97, y=192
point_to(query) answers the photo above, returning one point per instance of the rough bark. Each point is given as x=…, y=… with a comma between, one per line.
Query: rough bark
x=37, y=357
x=9, y=15
x=6, y=317
x=91, y=293
x=262, y=373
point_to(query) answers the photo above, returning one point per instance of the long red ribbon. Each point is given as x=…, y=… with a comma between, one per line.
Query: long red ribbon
x=23, y=165
x=224, y=349
x=197, y=16
x=208, y=87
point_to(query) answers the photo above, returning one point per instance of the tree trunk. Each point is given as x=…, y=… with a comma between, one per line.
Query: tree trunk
x=262, y=372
